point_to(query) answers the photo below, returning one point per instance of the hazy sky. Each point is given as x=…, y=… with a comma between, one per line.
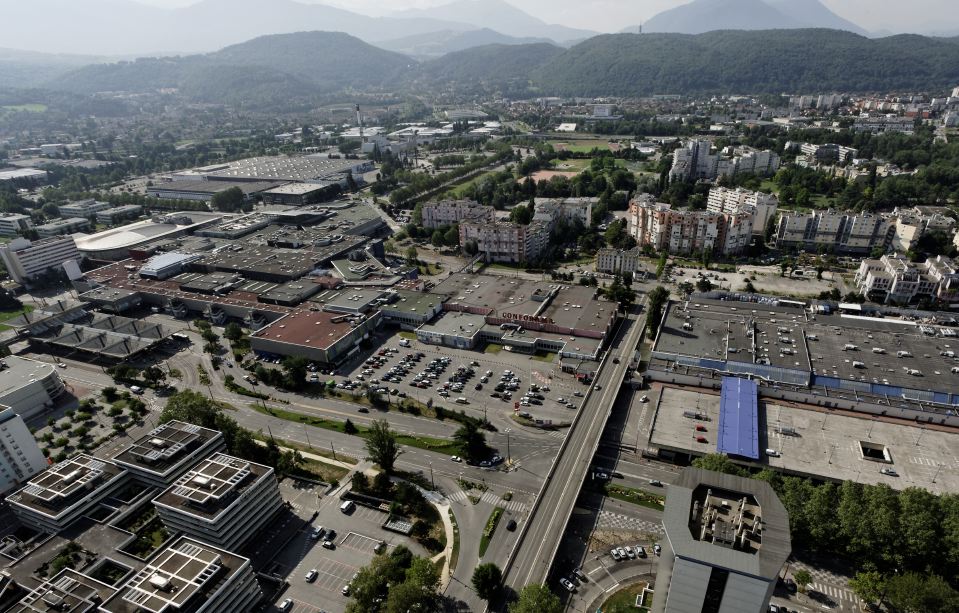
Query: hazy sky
x=613, y=15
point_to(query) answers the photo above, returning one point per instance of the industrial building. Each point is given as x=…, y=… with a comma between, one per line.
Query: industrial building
x=119, y=213
x=727, y=539
x=323, y=337
x=203, y=190
x=223, y=500
x=116, y=243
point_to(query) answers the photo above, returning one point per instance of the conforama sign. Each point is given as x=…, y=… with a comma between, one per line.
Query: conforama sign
x=519, y=317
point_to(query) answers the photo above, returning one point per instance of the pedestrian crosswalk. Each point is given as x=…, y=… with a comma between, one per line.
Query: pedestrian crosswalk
x=496, y=500
x=837, y=593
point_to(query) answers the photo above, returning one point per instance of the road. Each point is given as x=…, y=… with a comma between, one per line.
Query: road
x=530, y=560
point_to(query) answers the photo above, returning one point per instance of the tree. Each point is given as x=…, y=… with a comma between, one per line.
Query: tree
x=349, y=427
x=228, y=200
x=471, y=248
x=471, y=441
x=719, y=463
x=869, y=585
x=915, y=593
x=685, y=289
x=412, y=255
x=424, y=574
x=536, y=598
x=381, y=446
x=521, y=214
x=154, y=376
x=486, y=580
x=295, y=368
x=654, y=309
x=233, y=332
x=802, y=579
x=704, y=285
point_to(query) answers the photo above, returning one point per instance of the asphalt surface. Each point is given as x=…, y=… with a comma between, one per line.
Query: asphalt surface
x=531, y=559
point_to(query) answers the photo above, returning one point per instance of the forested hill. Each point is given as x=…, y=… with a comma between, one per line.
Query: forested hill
x=737, y=61
x=490, y=63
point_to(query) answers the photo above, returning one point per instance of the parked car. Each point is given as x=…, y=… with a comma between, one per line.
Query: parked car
x=311, y=576
x=328, y=544
x=456, y=458
x=615, y=553
x=286, y=605
x=579, y=574
x=567, y=584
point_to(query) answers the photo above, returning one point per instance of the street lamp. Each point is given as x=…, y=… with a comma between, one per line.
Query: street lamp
x=508, y=457
x=431, y=476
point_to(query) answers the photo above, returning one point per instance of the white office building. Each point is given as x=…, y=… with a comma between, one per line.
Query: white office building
x=25, y=260
x=28, y=386
x=13, y=224
x=82, y=208
x=223, y=500
x=618, y=260
x=166, y=452
x=20, y=456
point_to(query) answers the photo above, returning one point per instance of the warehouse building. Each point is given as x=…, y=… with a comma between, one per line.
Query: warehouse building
x=327, y=338
x=203, y=190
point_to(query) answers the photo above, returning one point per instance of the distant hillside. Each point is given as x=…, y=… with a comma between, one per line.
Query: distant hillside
x=24, y=69
x=284, y=64
x=773, y=61
x=435, y=44
x=706, y=15
x=490, y=64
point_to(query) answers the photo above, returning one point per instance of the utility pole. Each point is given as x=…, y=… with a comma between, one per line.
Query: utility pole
x=431, y=476
x=333, y=450
x=508, y=457
x=307, y=433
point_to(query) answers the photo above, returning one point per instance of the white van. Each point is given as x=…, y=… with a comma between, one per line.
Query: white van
x=347, y=506
x=903, y=354
x=772, y=453
x=136, y=389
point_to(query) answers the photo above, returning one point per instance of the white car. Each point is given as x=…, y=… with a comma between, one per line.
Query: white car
x=644, y=399
x=286, y=605
x=567, y=584
x=456, y=458
x=615, y=553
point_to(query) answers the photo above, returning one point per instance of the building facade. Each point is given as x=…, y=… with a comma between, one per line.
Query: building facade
x=832, y=231
x=29, y=386
x=25, y=260
x=761, y=206
x=695, y=161
x=14, y=224
x=67, y=225
x=893, y=279
x=20, y=456
x=223, y=501
x=82, y=208
x=166, y=452
x=507, y=242
x=659, y=226
x=618, y=261
x=449, y=212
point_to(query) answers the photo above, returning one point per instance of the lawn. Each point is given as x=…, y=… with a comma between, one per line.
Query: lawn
x=30, y=108
x=454, y=556
x=624, y=600
x=8, y=315
x=634, y=496
x=408, y=335
x=459, y=191
x=492, y=348
x=544, y=356
x=490, y=529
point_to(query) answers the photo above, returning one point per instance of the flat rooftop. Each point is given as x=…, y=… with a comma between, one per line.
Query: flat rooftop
x=69, y=590
x=248, y=260
x=349, y=300
x=165, y=447
x=308, y=328
x=16, y=372
x=209, y=488
x=63, y=484
x=180, y=578
x=284, y=168
x=140, y=232
x=824, y=445
x=414, y=303
x=202, y=186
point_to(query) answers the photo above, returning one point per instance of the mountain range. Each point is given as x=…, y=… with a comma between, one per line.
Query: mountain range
x=282, y=67
x=436, y=44
x=706, y=15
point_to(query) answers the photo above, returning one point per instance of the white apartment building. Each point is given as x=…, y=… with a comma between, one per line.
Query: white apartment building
x=893, y=279
x=13, y=224
x=20, y=456
x=911, y=224
x=618, y=260
x=695, y=161
x=449, y=212
x=687, y=232
x=507, y=242
x=166, y=452
x=83, y=208
x=29, y=386
x=223, y=500
x=946, y=274
x=551, y=210
x=25, y=260
x=828, y=152
x=884, y=123
x=832, y=231
x=55, y=498
x=726, y=200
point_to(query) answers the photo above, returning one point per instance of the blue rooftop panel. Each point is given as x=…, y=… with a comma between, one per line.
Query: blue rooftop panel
x=739, y=418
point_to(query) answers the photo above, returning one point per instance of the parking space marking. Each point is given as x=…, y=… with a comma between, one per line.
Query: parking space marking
x=359, y=542
x=370, y=514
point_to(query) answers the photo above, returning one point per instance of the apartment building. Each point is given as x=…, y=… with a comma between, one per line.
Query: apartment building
x=166, y=452
x=449, y=212
x=83, y=208
x=893, y=279
x=911, y=224
x=189, y=576
x=63, y=226
x=946, y=274
x=14, y=224
x=686, y=231
x=20, y=456
x=55, y=498
x=618, y=260
x=762, y=206
x=884, y=123
x=223, y=500
x=507, y=242
x=828, y=153
x=29, y=386
x=695, y=161
x=551, y=210
x=25, y=259
x=832, y=231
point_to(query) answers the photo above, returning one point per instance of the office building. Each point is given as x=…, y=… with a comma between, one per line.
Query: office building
x=82, y=208
x=449, y=212
x=67, y=225
x=618, y=261
x=20, y=456
x=29, y=386
x=189, y=576
x=222, y=500
x=25, y=259
x=60, y=495
x=119, y=213
x=68, y=590
x=911, y=224
x=893, y=279
x=166, y=452
x=727, y=538
x=14, y=224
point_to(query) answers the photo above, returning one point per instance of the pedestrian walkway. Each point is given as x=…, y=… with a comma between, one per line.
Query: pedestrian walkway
x=489, y=497
x=618, y=521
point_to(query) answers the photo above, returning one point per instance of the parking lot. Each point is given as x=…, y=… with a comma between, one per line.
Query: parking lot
x=374, y=368
x=357, y=536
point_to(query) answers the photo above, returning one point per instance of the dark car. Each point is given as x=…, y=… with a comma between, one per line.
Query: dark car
x=478, y=386
x=511, y=525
